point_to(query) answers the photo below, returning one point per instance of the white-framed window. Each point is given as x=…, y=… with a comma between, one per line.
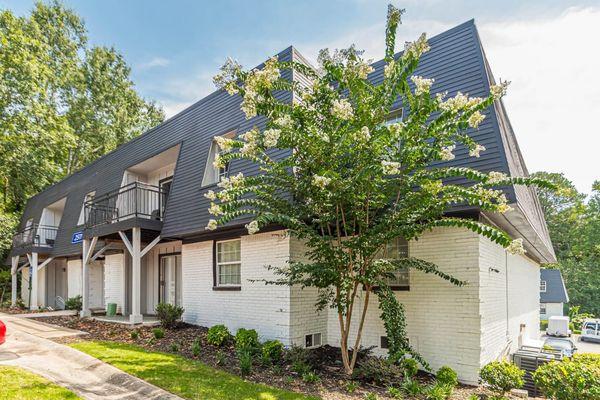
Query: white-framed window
x=394, y=250
x=88, y=197
x=543, y=286
x=394, y=117
x=542, y=308
x=229, y=263
x=214, y=175
x=312, y=340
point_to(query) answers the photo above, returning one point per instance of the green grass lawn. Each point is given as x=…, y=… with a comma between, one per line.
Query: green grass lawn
x=17, y=383
x=186, y=378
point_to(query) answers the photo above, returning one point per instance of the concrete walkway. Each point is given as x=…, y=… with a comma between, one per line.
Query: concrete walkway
x=27, y=346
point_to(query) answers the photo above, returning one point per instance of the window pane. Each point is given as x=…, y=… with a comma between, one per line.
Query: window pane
x=229, y=274
x=394, y=250
x=228, y=251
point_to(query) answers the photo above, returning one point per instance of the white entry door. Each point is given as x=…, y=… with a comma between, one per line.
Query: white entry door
x=169, y=279
x=96, y=284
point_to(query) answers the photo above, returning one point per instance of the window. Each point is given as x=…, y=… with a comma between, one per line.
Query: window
x=384, y=343
x=88, y=197
x=228, y=263
x=394, y=117
x=312, y=340
x=542, y=308
x=395, y=250
x=543, y=286
x=214, y=175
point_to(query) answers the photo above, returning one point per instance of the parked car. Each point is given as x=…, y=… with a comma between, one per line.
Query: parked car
x=558, y=326
x=561, y=345
x=2, y=332
x=590, y=331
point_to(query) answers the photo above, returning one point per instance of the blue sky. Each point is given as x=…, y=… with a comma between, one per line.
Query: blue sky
x=543, y=47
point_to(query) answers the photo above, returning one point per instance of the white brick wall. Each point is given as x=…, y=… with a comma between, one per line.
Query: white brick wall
x=265, y=308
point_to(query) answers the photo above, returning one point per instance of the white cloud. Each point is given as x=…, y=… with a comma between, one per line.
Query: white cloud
x=554, y=98
x=155, y=62
x=177, y=94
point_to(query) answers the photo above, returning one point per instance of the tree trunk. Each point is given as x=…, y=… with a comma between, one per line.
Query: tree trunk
x=350, y=363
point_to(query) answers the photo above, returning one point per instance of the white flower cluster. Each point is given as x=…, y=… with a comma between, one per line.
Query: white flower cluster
x=416, y=48
x=226, y=79
x=422, y=85
x=433, y=187
x=474, y=152
x=362, y=135
x=363, y=70
x=499, y=90
x=516, y=247
x=270, y=137
x=252, y=227
x=396, y=128
x=258, y=79
x=342, y=109
x=390, y=167
x=218, y=162
x=215, y=210
x=496, y=177
x=210, y=195
x=224, y=143
x=251, y=141
x=284, y=121
x=458, y=102
x=475, y=119
x=321, y=181
x=212, y=225
x=446, y=153
x=389, y=69
x=232, y=181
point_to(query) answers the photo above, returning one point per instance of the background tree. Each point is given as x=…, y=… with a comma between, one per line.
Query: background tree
x=62, y=102
x=574, y=226
x=353, y=183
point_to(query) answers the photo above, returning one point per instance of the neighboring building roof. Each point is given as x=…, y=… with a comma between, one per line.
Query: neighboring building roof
x=556, y=292
x=456, y=61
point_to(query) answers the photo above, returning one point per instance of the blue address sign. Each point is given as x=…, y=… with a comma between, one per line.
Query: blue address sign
x=77, y=237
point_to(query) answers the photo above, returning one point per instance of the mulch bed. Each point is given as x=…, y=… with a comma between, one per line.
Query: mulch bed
x=332, y=382
x=17, y=310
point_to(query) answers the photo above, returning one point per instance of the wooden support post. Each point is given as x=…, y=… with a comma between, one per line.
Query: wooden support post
x=136, y=277
x=85, y=279
x=13, y=271
x=33, y=295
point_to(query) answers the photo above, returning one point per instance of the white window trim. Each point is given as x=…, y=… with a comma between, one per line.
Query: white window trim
x=219, y=264
x=543, y=309
x=209, y=168
x=543, y=286
x=88, y=196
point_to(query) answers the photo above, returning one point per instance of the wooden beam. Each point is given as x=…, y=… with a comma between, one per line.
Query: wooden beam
x=101, y=251
x=90, y=250
x=46, y=261
x=126, y=242
x=23, y=266
x=150, y=246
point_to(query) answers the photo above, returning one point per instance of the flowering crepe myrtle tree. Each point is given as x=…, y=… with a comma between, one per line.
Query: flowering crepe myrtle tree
x=351, y=183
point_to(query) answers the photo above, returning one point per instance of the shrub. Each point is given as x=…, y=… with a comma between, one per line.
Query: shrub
x=378, y=371
x=272, y=350
x=543, y=326
x=246, y=339
x=410, y=366
x=301, y=367
x=371, y=396
x=74, y=303
x=439, y=391
x=218, y=335
x=174, y=347
x=220, y=358
x=351, y=386
x=395, y=393
x=502, y=376
x=245, y=358
x=297, y=354
x=447, y=376
x=572, y=379
x=310, y=377
x=158, y=333
x=196, y=348
x=168, y=314
x=412, y=387
x=134, y=335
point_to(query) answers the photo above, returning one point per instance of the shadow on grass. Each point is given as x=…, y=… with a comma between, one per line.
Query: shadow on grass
x=184, y=377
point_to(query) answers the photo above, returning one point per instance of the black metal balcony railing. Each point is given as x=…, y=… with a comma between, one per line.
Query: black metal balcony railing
x=135, y=200
x=35, y=235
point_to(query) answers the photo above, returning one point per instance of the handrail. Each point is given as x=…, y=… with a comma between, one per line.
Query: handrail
x=134, y=200
x=35, y=235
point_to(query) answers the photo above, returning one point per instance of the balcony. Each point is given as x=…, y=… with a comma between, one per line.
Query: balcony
x=135, y=204
x=35, y=236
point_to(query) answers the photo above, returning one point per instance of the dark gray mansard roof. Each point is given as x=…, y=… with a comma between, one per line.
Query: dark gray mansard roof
x=456, y=61
x=556, y=292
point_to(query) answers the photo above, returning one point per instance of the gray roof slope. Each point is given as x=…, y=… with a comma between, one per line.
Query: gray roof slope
x=556, y=292
x=455, y=60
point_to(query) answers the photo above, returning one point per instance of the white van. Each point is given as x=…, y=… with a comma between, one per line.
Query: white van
x=590, y=331
x=558, y=326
